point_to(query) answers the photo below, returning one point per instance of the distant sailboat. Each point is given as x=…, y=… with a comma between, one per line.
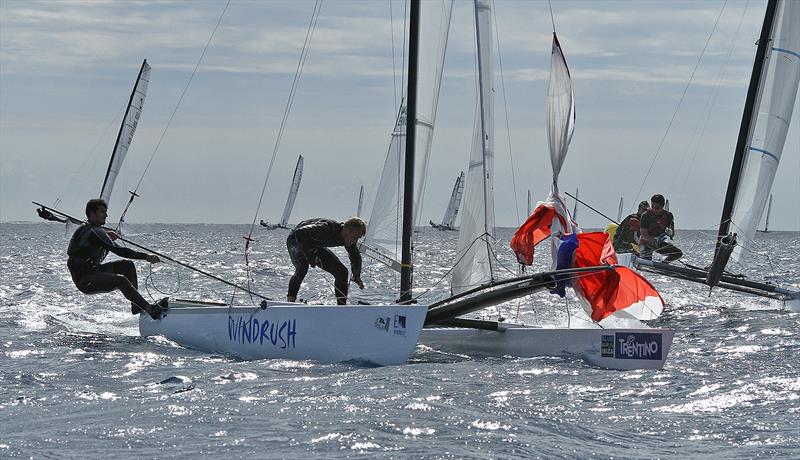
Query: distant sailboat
x=360, y=201
x=529, y=203
x=766, y=222
x=575, y=208
x=619, y=211
x=449, y=219
x=287, y=210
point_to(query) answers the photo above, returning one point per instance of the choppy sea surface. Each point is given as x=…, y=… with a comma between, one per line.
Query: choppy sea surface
x=77, y=380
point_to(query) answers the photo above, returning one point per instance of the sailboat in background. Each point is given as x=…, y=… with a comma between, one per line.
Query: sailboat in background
x=762, y=134
x=619, y=210
x=133, y=111
x=574, y=208
x=451, y=213
x=475, y=285
x=293, y=188
x=766, y=222
x=360, y=201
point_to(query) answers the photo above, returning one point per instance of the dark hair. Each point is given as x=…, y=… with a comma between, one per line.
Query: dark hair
x=657, y=199
x=645, y=204
x=93, y=204
x=356, y=223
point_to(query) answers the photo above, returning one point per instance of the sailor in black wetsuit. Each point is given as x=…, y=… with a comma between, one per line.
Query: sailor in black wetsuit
x=307, y=244
x=627, y=233
x=89, y=246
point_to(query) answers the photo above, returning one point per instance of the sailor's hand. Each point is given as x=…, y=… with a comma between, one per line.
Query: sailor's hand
x=153, y=259
x=358, y=282
x=670, y=232
x=112, y=234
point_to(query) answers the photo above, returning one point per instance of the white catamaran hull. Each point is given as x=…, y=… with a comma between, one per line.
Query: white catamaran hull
x=620, y=349
x=380, y=335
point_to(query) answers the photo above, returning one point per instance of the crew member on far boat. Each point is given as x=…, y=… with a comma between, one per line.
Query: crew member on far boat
x=627, y=234
x=656, y=225
x=90, y=244
x=308, y=245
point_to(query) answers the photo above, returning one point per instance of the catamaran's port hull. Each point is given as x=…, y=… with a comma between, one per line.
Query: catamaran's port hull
x=376, y=335
x=621, y=349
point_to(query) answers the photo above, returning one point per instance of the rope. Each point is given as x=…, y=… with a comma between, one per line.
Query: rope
x=174, y=111
x=680, y=102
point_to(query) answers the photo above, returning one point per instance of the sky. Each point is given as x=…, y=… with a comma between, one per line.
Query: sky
x=67, y=69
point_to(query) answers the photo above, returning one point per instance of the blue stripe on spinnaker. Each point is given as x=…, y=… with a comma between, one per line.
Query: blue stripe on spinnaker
x=782, y=50
x=765, y=153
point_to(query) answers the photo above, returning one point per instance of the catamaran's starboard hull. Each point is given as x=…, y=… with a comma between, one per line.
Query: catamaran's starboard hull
x=377, y=335
x=621, y=349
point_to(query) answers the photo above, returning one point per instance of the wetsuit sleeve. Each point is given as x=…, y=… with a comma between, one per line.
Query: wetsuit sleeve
x=355, y=260
x=106, y=242
x=309, y=236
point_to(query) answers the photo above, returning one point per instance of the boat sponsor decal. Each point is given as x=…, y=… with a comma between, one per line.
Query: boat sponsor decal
x=400, y=324
x=265, y=332
x=383, y=323
x=637, y=345
x=607, y=346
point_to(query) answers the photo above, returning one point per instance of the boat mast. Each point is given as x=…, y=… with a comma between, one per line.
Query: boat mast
x=745, y=130
x=769, y=209
x=408, y=181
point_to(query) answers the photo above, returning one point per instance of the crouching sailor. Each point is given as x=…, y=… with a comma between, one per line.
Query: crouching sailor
x=308, y=246
x=89, y=246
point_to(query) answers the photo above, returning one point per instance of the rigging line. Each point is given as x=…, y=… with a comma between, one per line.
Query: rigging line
x=186, y=88
x=394, y=69
x=466, y=251
x=505, y=107
x=680, y=102
x=295, y=81
x=552, y=19
x=700, y=129
x=588, y=206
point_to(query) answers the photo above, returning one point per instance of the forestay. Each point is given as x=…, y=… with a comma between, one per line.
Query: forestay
x=126, y=130
x=383, y=232
x=769, y=126
x=474, y=258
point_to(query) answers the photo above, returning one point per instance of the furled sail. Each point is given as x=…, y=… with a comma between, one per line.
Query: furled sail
x=769, y=126
x=298, y=175
x=474, y=254
x=449, y=219
x=126, y=130
x=383, y=233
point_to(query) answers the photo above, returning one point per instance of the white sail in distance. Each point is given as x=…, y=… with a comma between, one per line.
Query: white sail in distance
x=451, y=213
x=360, y=201
x=474, y=253
x=770, y=125
x=619, y=211
x=383, y=230
x=126, y=130
x=298, y=175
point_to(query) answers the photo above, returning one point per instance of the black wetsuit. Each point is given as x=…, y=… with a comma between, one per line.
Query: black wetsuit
x=657, y=226
x=308, y=242
x=627, y=233
x=88, y=247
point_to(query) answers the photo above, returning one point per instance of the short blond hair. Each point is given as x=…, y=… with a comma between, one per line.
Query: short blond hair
x=356, y=223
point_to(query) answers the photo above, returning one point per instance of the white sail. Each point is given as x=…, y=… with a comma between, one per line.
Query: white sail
x=773, y=113
x=769, y=210
x=474, y=254
x=575, y=207
x=126, y=130
x=449, y=219
x=383, y=231
x=619, y=211
x=298, y=175
x=529, y=203
x=360, y=201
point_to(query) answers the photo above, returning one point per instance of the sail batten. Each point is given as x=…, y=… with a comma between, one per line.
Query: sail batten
x=126, y=130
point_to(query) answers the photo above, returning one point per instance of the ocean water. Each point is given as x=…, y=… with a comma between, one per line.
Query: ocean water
x=77, y=380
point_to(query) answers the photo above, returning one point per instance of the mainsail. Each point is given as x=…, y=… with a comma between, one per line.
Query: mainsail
x=769, y=123
x=126, y=130
x=383, y=234
x=474, y=254
x=298, y=175
x=449, y=219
